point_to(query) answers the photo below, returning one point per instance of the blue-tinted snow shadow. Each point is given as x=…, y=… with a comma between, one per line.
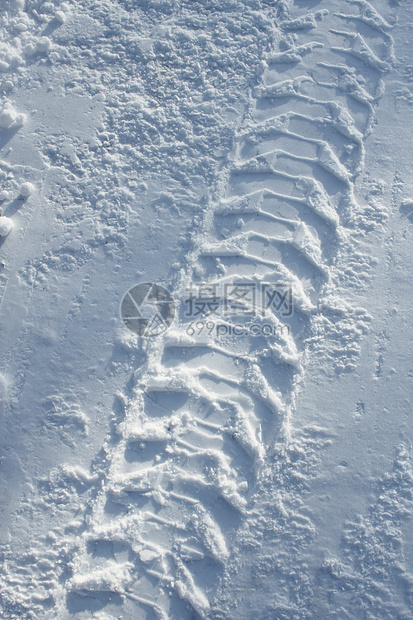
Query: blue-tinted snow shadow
x=406, y=209
x=51, y=27
x=14, y=206
x=7, y=134
x=92, y=601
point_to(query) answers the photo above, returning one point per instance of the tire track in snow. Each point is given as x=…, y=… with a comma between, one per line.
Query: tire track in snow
x=204, y=416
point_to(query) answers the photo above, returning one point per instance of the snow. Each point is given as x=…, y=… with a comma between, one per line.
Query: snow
x=43, y=45
x=251, y=454
x=60, y=17
x=6, y=225
x=7, y=116
x=26, y=189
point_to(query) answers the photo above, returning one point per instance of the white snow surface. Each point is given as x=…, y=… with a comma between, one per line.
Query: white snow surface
x=256, y=461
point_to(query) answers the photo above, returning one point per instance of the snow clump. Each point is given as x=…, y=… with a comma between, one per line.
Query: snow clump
x=7, y=116
x=6, y=224
x=26, y=189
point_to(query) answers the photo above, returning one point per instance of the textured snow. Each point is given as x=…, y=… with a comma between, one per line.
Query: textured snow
x=256, y=461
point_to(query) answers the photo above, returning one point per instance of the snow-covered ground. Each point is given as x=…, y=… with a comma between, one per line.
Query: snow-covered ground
x=249, y=455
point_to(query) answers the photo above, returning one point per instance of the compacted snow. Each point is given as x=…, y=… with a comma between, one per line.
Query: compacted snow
x=205, y=309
